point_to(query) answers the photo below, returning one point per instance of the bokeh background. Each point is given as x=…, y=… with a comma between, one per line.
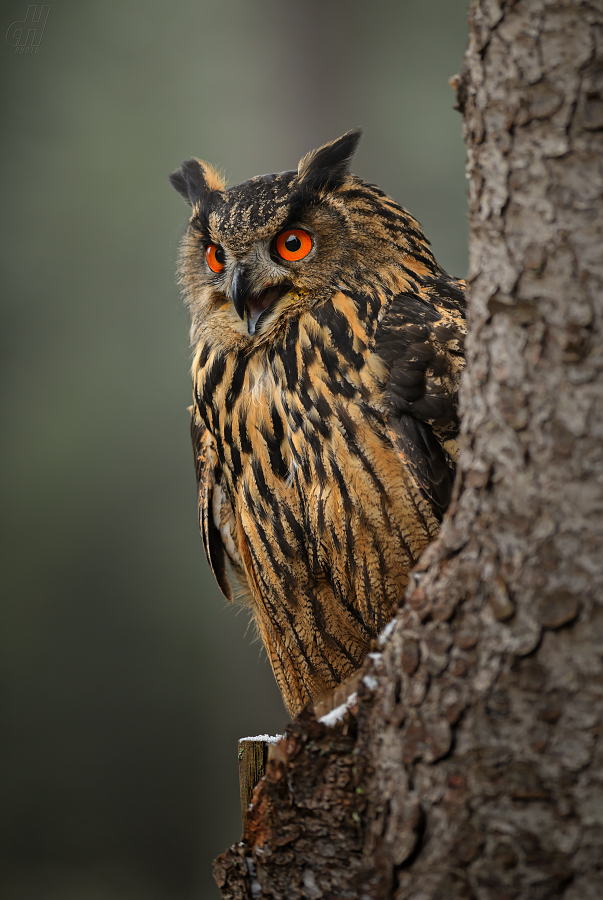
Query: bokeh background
x=126, y=679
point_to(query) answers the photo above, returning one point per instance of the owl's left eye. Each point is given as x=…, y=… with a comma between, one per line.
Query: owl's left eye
x=293, y=244
x=215, y=258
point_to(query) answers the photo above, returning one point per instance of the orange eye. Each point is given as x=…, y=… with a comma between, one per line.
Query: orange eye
x=293, y=244
x=215, y=257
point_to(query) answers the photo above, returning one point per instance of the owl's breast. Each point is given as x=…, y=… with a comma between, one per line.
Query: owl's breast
x=316, y=483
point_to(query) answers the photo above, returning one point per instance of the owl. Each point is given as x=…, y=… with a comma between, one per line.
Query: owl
x=328, y=347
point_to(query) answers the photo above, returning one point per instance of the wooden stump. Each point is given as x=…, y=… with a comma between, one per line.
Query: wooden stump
x=253, y=756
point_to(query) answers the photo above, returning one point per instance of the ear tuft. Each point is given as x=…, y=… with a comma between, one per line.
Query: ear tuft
x=214, y=180
x=195, y=178
x=330, y=163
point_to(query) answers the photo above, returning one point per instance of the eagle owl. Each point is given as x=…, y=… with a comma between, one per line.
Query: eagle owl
x=328, y=347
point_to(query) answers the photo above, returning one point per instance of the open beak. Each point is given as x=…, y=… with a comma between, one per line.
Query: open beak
x=250, y=306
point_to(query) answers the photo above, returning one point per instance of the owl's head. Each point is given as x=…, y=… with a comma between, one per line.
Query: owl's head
x=264, y=249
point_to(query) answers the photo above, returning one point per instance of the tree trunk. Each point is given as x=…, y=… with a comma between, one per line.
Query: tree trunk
x=474, y=765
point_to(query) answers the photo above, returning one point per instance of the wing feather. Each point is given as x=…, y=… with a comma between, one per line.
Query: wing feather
x=216, y=516
x=420, y=338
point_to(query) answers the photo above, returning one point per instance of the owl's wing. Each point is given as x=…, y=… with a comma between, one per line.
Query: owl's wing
x=216, y=517
x=420, y=338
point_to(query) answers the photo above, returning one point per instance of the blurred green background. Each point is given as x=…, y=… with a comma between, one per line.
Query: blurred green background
x=127, y=680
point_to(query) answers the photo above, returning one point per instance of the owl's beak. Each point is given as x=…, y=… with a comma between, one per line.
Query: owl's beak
x=239, y=289
x=250, y=306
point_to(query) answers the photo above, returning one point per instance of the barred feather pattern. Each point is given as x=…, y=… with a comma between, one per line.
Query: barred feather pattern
x=324, y=443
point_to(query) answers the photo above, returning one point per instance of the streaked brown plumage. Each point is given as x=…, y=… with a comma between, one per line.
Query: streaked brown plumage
x=324, y=412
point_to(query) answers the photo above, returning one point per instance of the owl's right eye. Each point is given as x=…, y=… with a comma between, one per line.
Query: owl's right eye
x=215, y=258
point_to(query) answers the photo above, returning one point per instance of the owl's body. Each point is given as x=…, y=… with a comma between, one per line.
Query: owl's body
x=324, y=407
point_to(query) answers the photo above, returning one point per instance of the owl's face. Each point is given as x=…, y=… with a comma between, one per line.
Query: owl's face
x=265, y=249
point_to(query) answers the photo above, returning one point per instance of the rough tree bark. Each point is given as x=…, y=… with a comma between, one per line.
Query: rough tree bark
x=474, y=765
